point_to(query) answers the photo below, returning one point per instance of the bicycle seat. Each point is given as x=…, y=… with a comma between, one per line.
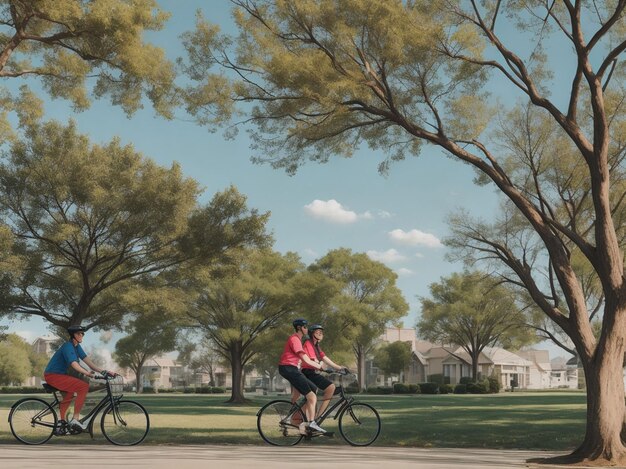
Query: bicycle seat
x=49, y=388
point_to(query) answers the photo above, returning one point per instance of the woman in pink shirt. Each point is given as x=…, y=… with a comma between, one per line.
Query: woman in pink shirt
x=315, y=353
x=288, y=369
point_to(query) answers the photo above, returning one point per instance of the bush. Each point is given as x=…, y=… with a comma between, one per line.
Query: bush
x=217, y=390
x=22, y=390
x=446, y=389
x=379, y=390
x=439, y=379
x=429, y=388
x=401, y=388
x=460, y=389
x=466, y=380
x=352, y=389
x=481, y=387
x=414, y=389
x=494, y=384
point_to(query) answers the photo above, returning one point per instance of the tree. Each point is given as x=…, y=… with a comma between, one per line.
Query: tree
x=91, y=222
x=149, y=335
x=235, y=309
x=67, y=43
x=324, y=76
x=365, y=301
x=473, y=311
x=393, y=358
x=18, y=361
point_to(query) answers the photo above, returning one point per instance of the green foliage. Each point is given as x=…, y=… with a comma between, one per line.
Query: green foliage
x=475, y=311
x=379, y=390
x=439, y=379
x=18, y=360
x=460, y=389
x=446, y=388
x=429, y=388
x=362, y=299
x=494, y=384
x=401, y=388
x=70, y=43
x=478, y=387
x=393, y=358
x=87, y=225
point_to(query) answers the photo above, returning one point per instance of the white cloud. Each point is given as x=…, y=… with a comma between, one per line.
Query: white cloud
x=419, y=255
x=390, y=255
x=404, y=272
x=415, y=238
x=332, y=211
x=384, y=214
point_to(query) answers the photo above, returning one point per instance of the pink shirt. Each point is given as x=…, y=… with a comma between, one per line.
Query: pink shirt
x=293, y=350
x=309, y=349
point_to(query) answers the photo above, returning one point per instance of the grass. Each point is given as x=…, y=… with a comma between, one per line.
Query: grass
x=552, y=421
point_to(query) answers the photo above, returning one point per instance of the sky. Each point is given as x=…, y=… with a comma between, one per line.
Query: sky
x=398, y=219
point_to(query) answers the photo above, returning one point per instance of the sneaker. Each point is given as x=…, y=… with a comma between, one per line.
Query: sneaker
x=77, y=423
x=315, y=427
x=302, y=428
x=60, y=428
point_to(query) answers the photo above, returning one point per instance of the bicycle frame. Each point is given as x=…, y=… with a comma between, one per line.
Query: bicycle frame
x=105, y=402
x=338, y=407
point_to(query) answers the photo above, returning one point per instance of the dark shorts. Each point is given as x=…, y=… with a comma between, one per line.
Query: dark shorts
x=320, y=381
x=297, y=379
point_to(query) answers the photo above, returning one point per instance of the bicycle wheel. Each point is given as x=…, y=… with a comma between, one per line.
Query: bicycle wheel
x=278, y=424
x=126, y=423
x=359, y=424
x=32, y=421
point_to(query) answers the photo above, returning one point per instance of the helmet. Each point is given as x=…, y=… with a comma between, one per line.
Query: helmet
x=299, y=323
x=75, y=328
x=315, y=327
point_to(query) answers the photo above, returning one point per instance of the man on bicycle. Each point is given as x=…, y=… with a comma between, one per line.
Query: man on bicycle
x=315, y=353
x=56, y=375
x=288, y=369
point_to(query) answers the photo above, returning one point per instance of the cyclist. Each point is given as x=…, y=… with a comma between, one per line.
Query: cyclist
x=315, y=353
x=56, y=375
x=291, y=357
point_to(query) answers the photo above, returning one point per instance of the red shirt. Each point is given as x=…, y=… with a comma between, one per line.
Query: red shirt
x=292, y=352
x=309, y=349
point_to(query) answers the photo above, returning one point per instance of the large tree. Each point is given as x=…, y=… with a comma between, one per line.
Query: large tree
x=473, y=311
x=91, y=222
x=364, y=299
x=244, y=303
x=70, y=44
x=326, y=75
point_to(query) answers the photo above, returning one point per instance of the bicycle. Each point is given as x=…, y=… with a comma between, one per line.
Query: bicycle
x=34, y=421
x=359, y=423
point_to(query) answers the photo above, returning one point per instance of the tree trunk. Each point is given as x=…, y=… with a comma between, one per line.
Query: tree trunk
x=603, y=444
x=138, y=385
x=360, y=363
x=236, y=367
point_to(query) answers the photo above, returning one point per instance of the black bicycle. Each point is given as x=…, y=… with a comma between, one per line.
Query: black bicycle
x=359, y=423
x=34, y=421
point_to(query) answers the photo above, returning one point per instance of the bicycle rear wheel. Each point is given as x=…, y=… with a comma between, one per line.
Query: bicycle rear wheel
x=359, y=424
x=32, y=421
x=126, y=423
x=278, y=422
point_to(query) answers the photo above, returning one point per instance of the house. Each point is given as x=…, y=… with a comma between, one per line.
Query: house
x=562, y=375
x=528, y=369
x=541, y=370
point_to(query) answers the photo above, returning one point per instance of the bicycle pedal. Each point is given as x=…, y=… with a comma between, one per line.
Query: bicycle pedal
x=329, y=434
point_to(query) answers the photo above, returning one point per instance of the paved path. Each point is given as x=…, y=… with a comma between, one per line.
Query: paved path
x=261, y=457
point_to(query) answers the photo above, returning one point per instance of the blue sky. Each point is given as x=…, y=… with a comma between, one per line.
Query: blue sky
x=398, y=219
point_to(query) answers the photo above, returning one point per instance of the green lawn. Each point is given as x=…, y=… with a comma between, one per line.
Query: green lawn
x=551, y=420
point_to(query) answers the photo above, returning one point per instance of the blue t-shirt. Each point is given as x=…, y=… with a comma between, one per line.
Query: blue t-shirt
x=63, y=358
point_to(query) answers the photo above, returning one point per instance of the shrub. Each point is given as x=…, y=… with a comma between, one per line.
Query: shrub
x=414, y=389
x=439, y=379
x=400, y=388
x=460, y=389
x=22, y=390
x=494, y=384
x=446, y=389
x=217, y=390
x=480, y=387
x=429, y=388
x=466, y=380
x=379, y=390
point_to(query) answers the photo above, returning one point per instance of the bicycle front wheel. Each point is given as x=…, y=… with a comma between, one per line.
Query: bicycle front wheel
x=278, y=423
x=32, y=421
x=359, y=424
x=126, y=423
